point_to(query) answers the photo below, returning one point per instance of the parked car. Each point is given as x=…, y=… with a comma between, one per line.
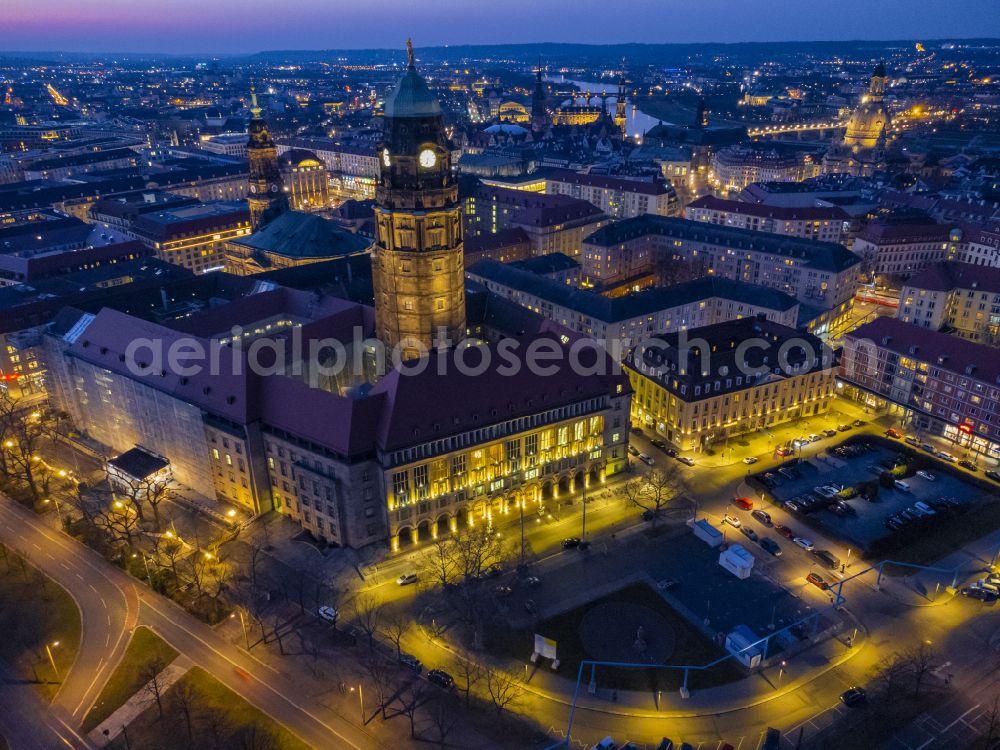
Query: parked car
x=784, y=451
x=911, y=440
x=670, y=452
x=529, y=606
x=749, y=533
x=732, y=520
x=784, y=531
x=532, y=581
x=570, y=542
x=814, y=438
x=328, y=613
x=968, y=465
x=792, y=506
x=409, y=660
x=827, y=558
x=854, y=696
x=646, y=459
x=858, y=423
x=502, y=591
x=804, y=543
x=743, y=502
x=687, y=461
x=817, y=580
x=891, y=433
x=995, y=476
x=927, y=447
x=789, y=473
x=750, y=460
x=441, y=678
x=763, y=516
x=978, y=593
x=667, y=583
x=633, y=451
x=406, y=579
x=900, y=485
x=946, y=456
x=657, y=443
x=926, y=475
x=843, y=427
x=770, y=545
x=925, y=509
x=828, y=433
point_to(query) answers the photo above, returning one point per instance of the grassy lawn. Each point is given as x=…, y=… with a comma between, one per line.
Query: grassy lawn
x=145, y=648
x=199, y=711
x=691, y=647
x=35, y=611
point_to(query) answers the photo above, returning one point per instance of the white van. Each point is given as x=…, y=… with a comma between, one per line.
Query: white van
x=901, y=485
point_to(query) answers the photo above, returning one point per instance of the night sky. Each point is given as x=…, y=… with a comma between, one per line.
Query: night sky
x=234, y=26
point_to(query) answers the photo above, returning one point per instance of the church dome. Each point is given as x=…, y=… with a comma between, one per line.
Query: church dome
x=412, y=97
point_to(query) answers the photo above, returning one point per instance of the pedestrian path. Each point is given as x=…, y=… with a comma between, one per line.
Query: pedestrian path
x=144, y=697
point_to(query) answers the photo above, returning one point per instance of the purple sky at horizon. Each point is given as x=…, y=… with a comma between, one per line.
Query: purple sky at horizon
x=237, y=26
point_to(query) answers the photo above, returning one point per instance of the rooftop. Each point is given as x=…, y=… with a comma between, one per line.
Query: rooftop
x=294, y=234
x=943, y=277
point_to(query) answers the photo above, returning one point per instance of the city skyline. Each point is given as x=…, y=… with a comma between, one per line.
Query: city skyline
x=187, y=27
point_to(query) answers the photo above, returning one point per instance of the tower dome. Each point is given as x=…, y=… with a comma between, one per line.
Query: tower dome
x=412, y=97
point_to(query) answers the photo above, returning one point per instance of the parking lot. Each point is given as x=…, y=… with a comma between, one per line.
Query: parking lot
x=858, y=521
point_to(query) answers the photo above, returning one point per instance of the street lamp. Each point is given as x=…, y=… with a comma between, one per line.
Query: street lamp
x=361, y=698
x=52, y=660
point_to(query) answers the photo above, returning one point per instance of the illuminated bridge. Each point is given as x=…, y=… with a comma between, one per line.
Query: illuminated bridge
x=782, y=128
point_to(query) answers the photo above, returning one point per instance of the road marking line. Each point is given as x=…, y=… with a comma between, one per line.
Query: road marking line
x=104, y=603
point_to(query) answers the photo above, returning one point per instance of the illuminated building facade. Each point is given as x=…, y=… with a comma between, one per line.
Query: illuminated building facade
x=418, y=265
x=305, y=179
x=701, y=393
x=194, y=237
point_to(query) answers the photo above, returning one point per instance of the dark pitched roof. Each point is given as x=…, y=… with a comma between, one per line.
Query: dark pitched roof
x=825, y=256
x=782, y=213
x=616, y=309
x=546, y=264
x=139, y=463
x=937, y=349
x=943, y=277
x=647, y=187
x=294, y=234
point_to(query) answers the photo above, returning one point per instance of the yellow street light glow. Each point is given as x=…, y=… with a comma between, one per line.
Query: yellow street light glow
x=231, y=512
x=169, y=534
x=9, y=443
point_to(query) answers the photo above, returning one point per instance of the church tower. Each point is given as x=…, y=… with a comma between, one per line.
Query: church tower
x=539, y=113
x=267, y=199
x=867, y=126
x=620, y=105
x=418, y=266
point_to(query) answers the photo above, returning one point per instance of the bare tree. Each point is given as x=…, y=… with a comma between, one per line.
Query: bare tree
x=26, y=433
x=921, y=661
x=394, y=628
x=470, y=672
x=655, y=489
x=185, y=700
x=441, y=566
x=383, y=678
x=411, y=699
x=138, y=493
x=443, y=718
x=368, y=613
x=504, y=688
x=152, y=674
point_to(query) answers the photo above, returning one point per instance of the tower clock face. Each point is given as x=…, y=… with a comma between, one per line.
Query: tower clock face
x=385, y=157
x=253, y=188
x=274, y=188
x=427, y=158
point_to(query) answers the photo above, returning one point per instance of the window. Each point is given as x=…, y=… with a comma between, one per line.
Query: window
x=401, y=486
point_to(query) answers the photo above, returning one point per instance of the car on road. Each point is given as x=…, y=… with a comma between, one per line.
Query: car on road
x=532, y=581
x=995, y=476
x=817, y=580
x=968, y=465
x=784, y=531
x=406, y=579
x=770, y=545
x=750, y=460
x=670, y=452
x=814, y=438
x=844, y=427
x=946, y=456
x=828, y=433
x=911, y=440
x=804, y=543
x=763, y=516
x=646, y=459
x=926, y=475
x=633, y=451
x=686, y=460
x=792, y=506
x=891, y=433
x=732, y=520
x=900, y=485
x=783, y=451
x=657, y=443
x=327, y=613
x=441, y=678
x=743, y=502
x=827, y=558
x=666, y=584
x=927, y=448
x=749, y=533
x=854, y=696
x=502, y=591
x=858, y=423
x=570, y=542
x=409, y=660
